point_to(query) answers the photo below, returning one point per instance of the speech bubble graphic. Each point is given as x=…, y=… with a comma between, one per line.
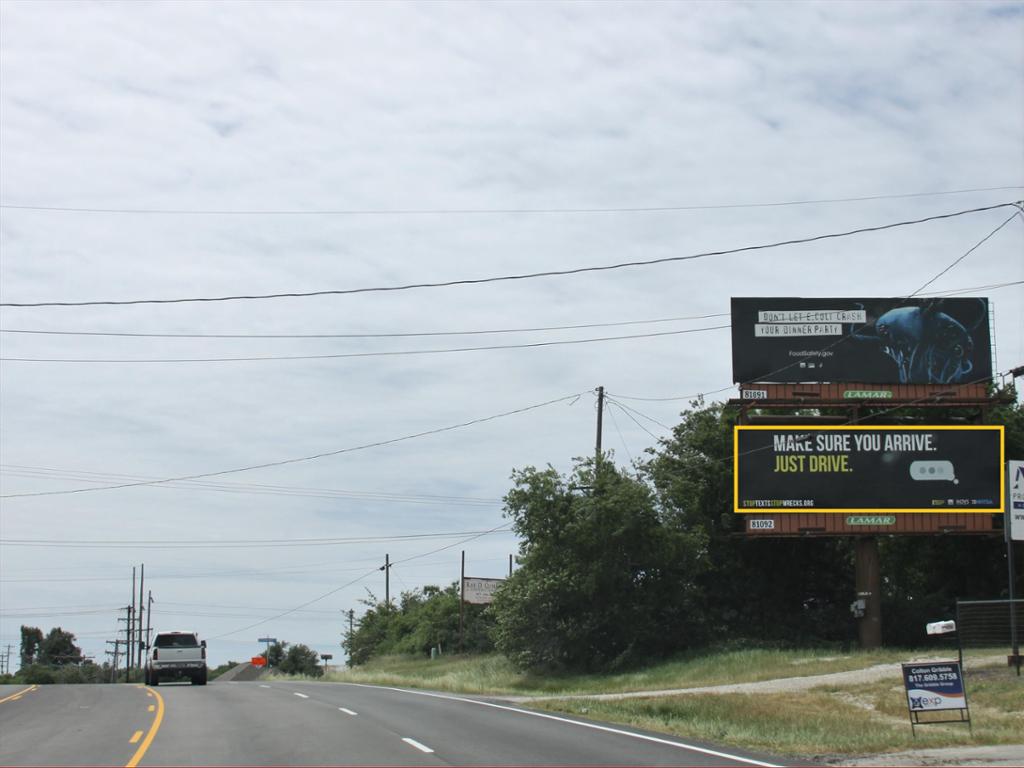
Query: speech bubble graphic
x=933, y=470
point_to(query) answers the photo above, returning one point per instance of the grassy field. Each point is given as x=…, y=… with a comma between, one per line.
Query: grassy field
x=852, y=719
x=822, y=722
x=495, y=675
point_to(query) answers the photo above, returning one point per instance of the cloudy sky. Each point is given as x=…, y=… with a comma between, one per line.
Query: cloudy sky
x=182, y=150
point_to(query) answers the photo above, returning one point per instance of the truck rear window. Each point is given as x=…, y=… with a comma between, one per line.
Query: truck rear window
x=176, y=641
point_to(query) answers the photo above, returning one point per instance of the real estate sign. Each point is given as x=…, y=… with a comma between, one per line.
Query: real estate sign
x=1015, y=500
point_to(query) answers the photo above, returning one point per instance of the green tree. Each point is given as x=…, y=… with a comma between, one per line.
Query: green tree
x=301, y=660
x=58, y=649
x=275, y=653
x=31, y=639
x=787, y=591
x=605, y=579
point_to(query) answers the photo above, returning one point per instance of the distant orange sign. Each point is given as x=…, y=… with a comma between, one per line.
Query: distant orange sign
x=258, y=661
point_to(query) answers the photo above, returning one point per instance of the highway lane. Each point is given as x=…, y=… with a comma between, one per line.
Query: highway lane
x=283, y=723
x=73, y=724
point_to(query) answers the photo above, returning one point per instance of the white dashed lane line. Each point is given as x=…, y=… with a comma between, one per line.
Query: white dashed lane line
x=347, y=711
x=420, y=747
x=300, y=695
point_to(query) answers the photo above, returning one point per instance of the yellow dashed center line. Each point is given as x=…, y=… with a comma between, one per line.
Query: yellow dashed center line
x=152, y=707
x=19, y=694
x=135, y=737
x=141, y=751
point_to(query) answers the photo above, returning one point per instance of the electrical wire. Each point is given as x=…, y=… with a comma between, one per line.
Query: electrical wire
x=843, y=339
x=300, y=459
x=349, y=355
x=227, y=543
x=515, y=277
x=16, y=470
x=965, y=255
x=399, y=335
x=412, y=334
x=351, y=583
x=615, y=423
x=630, y=411
x=491, y=211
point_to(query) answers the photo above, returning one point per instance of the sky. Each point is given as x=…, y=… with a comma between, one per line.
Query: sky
x=188, y=150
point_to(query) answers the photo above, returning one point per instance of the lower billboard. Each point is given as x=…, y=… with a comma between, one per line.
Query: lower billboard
x=868, y=469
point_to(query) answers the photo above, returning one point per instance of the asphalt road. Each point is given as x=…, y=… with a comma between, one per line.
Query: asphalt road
x=256, y=723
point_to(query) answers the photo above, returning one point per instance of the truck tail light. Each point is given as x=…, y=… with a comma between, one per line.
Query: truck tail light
x=204, y=653
x=155, y=654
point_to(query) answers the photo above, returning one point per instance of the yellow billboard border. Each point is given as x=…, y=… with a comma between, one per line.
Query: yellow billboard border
x=865, y=510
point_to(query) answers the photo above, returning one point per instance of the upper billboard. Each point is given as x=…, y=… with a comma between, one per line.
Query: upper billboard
x=868, y=470
x=876, y=341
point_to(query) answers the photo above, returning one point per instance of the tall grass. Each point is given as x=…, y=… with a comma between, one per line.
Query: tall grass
x=493, y=674
x=816, y=724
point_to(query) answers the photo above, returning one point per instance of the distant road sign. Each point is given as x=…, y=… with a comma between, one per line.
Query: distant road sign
x=266, y=640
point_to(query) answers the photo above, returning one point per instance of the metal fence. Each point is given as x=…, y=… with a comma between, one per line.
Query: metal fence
x=990, y=624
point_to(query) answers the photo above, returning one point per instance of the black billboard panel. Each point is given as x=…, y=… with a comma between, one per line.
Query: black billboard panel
x=868, y=469
x=876, y=341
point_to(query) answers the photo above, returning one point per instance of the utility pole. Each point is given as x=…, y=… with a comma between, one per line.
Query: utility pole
x=510, y=566
x=114, y=653
x=149, y=615
x=7, y=660
x=387, y=580
x=127, y=640
x=351, y=630
x=140, y=644
x=600, y=420
x=131, y=631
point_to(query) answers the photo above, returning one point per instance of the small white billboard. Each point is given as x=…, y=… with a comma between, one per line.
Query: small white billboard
x=479, y=591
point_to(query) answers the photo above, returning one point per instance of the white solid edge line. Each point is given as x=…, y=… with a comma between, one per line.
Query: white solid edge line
x=594, y=726
x=347, y=711
x=420, y=747
x=296, y=693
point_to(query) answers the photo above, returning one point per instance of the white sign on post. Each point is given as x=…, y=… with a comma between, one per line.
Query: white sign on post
x=480, y=591
x=1015, y=499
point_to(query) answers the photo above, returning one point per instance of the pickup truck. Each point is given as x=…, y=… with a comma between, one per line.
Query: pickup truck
x=176, y=655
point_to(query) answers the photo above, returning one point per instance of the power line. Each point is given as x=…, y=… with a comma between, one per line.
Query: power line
x=399, y=335
x=628, y=410
x=842, y=339
x=491, y=211
x=348, y=355
x=226, y=543
x=514, y=277
x=253, y=488
x=413, y=334
x=300, y=459
x=966, y=254
x=630, y=416
x=354, y=581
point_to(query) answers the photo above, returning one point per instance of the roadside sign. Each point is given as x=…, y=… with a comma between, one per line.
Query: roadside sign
x=266, y=640
x=479, y=591
x=935, y=687
x=258, y=661
x=1015, y=500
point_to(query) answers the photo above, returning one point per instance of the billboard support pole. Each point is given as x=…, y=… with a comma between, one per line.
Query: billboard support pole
x=1012, y=572
x=462, y=596
x=868, y=583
